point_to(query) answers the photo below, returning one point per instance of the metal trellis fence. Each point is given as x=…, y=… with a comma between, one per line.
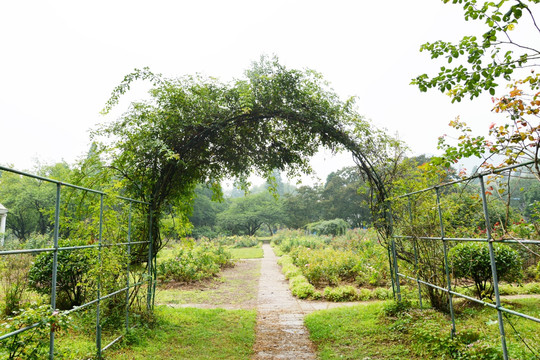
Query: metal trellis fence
x=407, y=237
x=98, y=244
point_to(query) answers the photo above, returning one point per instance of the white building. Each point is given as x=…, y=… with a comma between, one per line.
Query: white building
x=3, y=216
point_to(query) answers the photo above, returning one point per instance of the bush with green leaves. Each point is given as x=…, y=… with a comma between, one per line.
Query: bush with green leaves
x=472, y=261
x=301, y=288
x=32, y=344
x=13, y=272
x=72, y=281
x=288, y=268
x=326, y=266
x=195, y=262
x=238, y=241
x=313, y=242
x=396, y=308
x=328, y=227
x=340, y=293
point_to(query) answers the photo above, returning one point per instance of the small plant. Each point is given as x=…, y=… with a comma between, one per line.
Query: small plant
x=472, y=261
x=195, y=262
x=31, y=344
x=301, y=288
x=72, y=282
x=396, y=308
x=341, y=293
x=14, y=272
x=288, y=268
x=364, y=295
x=381, y=294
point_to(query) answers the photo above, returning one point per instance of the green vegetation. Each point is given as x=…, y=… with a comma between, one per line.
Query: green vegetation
x=247, y=214
x=386, y=331
x=32, y=344
x=196, y=129
x=192, y=334
x=173, y=151
x=472, y=261
x=333, y=227
x=73, y=286
x=194, y=262
x=257, y=212
x=246, y=253
x=337, y=269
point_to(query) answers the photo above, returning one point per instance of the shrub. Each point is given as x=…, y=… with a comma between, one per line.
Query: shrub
x=532, y=288
x=364, y=294
x=33, y=343
x=288, y=268
x=466, y=344
x=301, y=288
x=311, y=242
x=340, y=293
x=381, y=294
x=395, y=308
x=72, y=284
x=472, y=261
x=328, y=227
x=14, y=273
x=195, y=262
x=326, y=266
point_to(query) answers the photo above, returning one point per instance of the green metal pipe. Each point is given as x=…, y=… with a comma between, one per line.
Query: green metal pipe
x=55, y=265
x=493, y=306
x=446, y=268
x=100, y=264
x=127, y=268
x=150, y=260
x=415, y=252
x=493, y=269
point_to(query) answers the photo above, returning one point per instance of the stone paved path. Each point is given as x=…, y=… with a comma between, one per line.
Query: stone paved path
x=280, y=319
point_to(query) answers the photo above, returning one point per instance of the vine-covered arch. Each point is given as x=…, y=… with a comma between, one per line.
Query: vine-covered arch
x=197, y=129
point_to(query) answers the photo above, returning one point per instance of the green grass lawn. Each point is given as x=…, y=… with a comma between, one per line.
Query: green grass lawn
x=361, y=332
x=247, y=253
x=354, y=333
x=192, y=334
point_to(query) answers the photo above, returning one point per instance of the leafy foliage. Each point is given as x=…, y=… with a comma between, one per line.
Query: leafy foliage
x=487, y=57
x=194, y=262
x=199, y=130
x=329, y=227
x=14, y=272
x=333, y=261
x=30, y=201
x=32, y=344
x=472, y=261
x=499, y=53
x=73, y=266
x=246, y=215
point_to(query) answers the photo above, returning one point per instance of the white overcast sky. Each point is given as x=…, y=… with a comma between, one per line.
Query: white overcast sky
x=60, y=60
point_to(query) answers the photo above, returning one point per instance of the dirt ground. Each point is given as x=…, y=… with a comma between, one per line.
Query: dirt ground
x=235, y=288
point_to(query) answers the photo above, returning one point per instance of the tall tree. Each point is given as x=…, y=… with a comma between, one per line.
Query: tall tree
x=30, y=201
x=303, y=206
x=246, y=215
x=345, y=196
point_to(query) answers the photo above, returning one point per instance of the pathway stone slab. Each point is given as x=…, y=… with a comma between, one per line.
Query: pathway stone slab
x=281, y=333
